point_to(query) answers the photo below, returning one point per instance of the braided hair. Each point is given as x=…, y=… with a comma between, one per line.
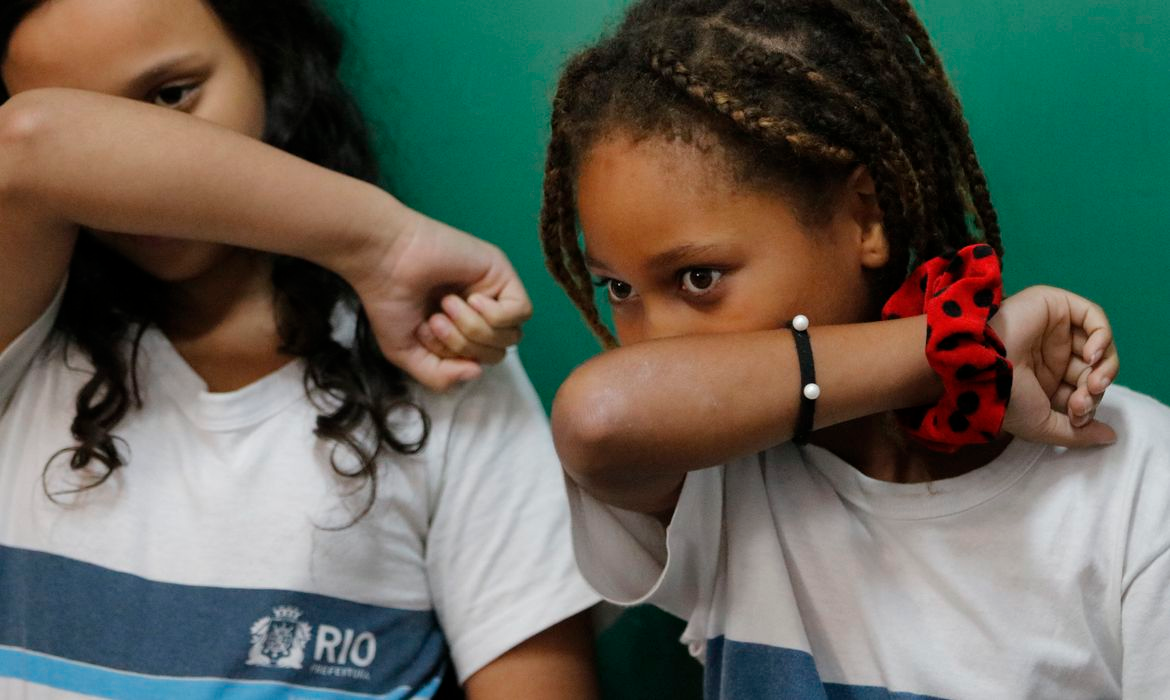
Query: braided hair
x=799, y=93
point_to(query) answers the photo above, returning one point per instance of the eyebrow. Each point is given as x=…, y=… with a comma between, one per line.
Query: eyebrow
x=160, y=70
x=688, y=252
x=667, y=259
x=591, y=261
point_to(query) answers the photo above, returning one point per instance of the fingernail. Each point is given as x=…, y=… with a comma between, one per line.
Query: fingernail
x=1096, y=356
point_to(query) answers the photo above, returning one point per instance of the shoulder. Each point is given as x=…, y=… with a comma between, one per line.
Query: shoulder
x=1119, y=473
x=1142, y=424
x=501, y=390
x=1135, y=474
x=496, y=418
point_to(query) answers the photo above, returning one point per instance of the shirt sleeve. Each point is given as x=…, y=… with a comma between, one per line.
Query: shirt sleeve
x=19, y=355
x=630, y=558
x=499, y=556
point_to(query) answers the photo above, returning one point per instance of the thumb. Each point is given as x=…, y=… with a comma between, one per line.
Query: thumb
x=1059, y=430
x=434, y=372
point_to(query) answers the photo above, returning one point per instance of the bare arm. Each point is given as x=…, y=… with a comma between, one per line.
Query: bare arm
x=631, y=423
x=671, y=406
x=75, y=158
x=72, y=158
x=557, y=663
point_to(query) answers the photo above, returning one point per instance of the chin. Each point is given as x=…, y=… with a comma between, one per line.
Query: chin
x=170, y=260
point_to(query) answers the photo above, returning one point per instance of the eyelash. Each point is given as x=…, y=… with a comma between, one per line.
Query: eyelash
x=606, y=283
x=189, y=90
x=716, y=276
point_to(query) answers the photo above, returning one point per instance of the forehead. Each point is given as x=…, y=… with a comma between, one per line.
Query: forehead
x=639, y=199
x=101, y=44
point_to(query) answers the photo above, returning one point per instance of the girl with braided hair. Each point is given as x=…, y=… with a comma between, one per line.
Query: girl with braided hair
x=227, y=468
x=759, y=183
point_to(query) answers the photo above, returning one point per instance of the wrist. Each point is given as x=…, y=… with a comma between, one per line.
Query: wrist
x=375, y=238
x=960, y=293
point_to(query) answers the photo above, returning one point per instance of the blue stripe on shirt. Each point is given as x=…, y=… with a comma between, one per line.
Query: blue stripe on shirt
x=119, y=685
x=62, y=610
x=747, y=671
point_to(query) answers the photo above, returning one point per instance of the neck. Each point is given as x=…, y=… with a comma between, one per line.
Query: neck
x=877, y=447
x=223, y=323
x=237, y=284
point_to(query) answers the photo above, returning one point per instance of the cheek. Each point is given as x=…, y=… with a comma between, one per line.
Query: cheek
x=167, y=259
x=627, y=329
x=248, y=113
x=235, y=98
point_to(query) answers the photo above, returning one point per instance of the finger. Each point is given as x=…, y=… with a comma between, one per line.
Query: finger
x=1060, y=398
x=475, y=327
x=1075, y=371
x=451, y=337
x=508, y=310
x=426, y=337
x=433, y=372
x=1059, y=430
x=515, y=298
x=1105, y=370
x=1091, y=319
x=1079, y=338
x=1082, y=404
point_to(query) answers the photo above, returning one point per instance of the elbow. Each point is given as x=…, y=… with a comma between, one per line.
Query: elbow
x=25, y=121
x=588, y=419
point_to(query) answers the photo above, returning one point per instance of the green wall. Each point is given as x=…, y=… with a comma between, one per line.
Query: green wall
x=1068, y=101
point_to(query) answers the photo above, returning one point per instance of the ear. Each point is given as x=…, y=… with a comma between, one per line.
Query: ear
x=866, y=213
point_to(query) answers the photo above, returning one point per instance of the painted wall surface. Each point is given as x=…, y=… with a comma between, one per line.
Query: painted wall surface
x=1067, y=99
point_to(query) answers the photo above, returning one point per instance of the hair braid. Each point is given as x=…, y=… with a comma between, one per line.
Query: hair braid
x=750, y=119
x=952, y=112
x=943, y=207
x=889, y=160
x=558, y=215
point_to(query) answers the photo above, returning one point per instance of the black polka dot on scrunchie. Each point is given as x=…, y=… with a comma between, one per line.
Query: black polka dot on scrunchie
x=967, y=372
x=955, y=268
x=951, y=308
x=968, y=402
x=958, y=422
x=984, y=298
x=1003, y=381
x=952, y=341
x=982, y=251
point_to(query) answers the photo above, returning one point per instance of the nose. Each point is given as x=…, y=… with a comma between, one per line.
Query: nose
x=666, y=321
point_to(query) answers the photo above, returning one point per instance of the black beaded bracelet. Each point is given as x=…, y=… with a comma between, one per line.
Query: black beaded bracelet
x=810, y=391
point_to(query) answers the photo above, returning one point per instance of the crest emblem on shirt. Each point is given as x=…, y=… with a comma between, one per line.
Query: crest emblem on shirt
x=278, y=640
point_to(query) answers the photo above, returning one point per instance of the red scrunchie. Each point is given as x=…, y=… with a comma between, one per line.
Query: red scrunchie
x=959, y=293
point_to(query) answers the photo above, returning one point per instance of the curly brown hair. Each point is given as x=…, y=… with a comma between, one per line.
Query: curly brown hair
x=109, y=302
x=798, y=93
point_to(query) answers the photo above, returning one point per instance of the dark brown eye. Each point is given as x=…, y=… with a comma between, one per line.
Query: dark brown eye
x=619, y=291
x=700, y=280
x=174, y=96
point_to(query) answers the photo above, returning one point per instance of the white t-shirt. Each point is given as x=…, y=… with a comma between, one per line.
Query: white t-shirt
x=207, y=567
x=1045, y=574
